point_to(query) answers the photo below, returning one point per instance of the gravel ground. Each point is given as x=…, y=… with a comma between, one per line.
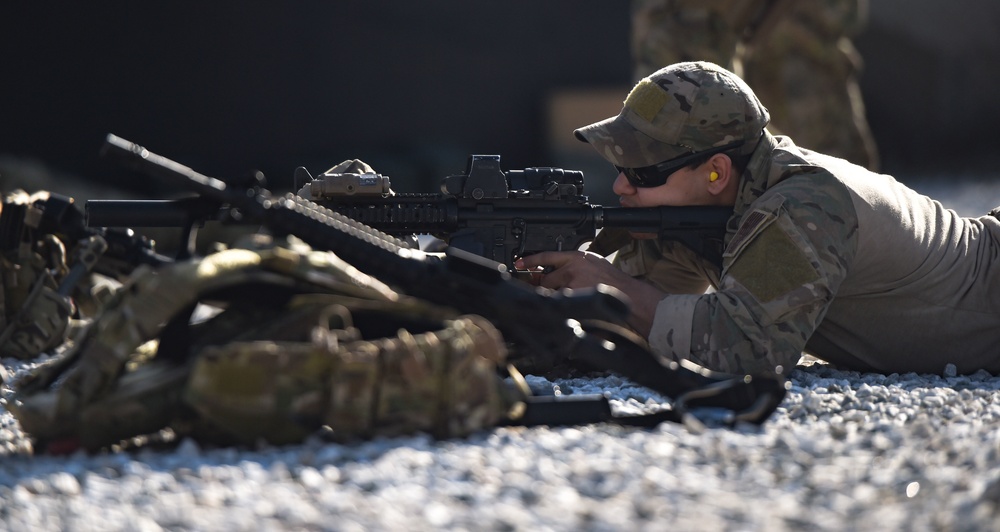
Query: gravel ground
x=844, y=451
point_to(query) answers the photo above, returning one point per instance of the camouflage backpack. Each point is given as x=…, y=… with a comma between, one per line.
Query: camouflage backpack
x=299, y=342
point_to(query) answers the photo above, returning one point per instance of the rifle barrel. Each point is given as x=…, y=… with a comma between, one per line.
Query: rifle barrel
x=151, y=213
x=658, y=219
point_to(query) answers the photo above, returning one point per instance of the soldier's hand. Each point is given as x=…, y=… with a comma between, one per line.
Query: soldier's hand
x=580, y=269
x=571, y=269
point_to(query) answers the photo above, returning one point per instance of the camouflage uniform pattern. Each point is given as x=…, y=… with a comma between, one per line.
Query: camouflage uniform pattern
x=41, y=302
x=35, y=316
x=665, y=32
x=803, y=65
x=441, y=382
x=665, y=117
x=828, y=258
x=788, y=247
x=348, y=352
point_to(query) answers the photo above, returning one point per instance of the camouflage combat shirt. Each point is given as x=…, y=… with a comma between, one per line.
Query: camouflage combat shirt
x=827, y=258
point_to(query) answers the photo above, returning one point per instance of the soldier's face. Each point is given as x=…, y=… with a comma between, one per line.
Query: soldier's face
x=687, y=186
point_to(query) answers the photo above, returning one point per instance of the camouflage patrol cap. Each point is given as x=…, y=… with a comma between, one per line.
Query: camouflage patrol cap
x=680, y=109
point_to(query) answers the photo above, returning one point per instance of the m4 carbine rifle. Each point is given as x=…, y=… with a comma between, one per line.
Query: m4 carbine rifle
x=544, y=324
x=494, y=214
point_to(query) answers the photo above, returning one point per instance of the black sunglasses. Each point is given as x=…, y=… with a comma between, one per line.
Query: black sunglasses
x=657, y=174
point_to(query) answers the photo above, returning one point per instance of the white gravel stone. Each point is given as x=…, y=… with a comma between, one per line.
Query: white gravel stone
x=843, y=451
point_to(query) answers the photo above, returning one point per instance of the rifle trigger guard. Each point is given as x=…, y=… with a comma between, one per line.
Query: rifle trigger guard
x=519, y=229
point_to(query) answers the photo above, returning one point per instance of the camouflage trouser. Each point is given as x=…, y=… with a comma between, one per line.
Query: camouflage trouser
x=803, y=67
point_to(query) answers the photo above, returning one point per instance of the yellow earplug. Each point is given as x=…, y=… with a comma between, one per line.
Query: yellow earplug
x=713, y=176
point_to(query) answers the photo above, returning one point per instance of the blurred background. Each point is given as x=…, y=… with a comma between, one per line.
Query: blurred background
x=413, y=88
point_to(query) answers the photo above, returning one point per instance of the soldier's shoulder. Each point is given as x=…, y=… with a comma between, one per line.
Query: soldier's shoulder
x=818, y=197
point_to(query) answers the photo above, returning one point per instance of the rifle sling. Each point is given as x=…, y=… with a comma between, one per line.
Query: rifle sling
x=583, y=409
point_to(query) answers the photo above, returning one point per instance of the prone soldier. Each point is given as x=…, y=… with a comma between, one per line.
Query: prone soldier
x=821, y=255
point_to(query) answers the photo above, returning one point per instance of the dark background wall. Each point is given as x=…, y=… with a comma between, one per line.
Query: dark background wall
x=932, y=85
x=411, y=87
x=227, y=86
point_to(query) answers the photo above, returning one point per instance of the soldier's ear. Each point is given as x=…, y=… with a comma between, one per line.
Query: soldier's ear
x=719, y=173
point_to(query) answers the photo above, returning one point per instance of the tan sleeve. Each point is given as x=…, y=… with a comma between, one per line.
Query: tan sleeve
x=672, y=325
